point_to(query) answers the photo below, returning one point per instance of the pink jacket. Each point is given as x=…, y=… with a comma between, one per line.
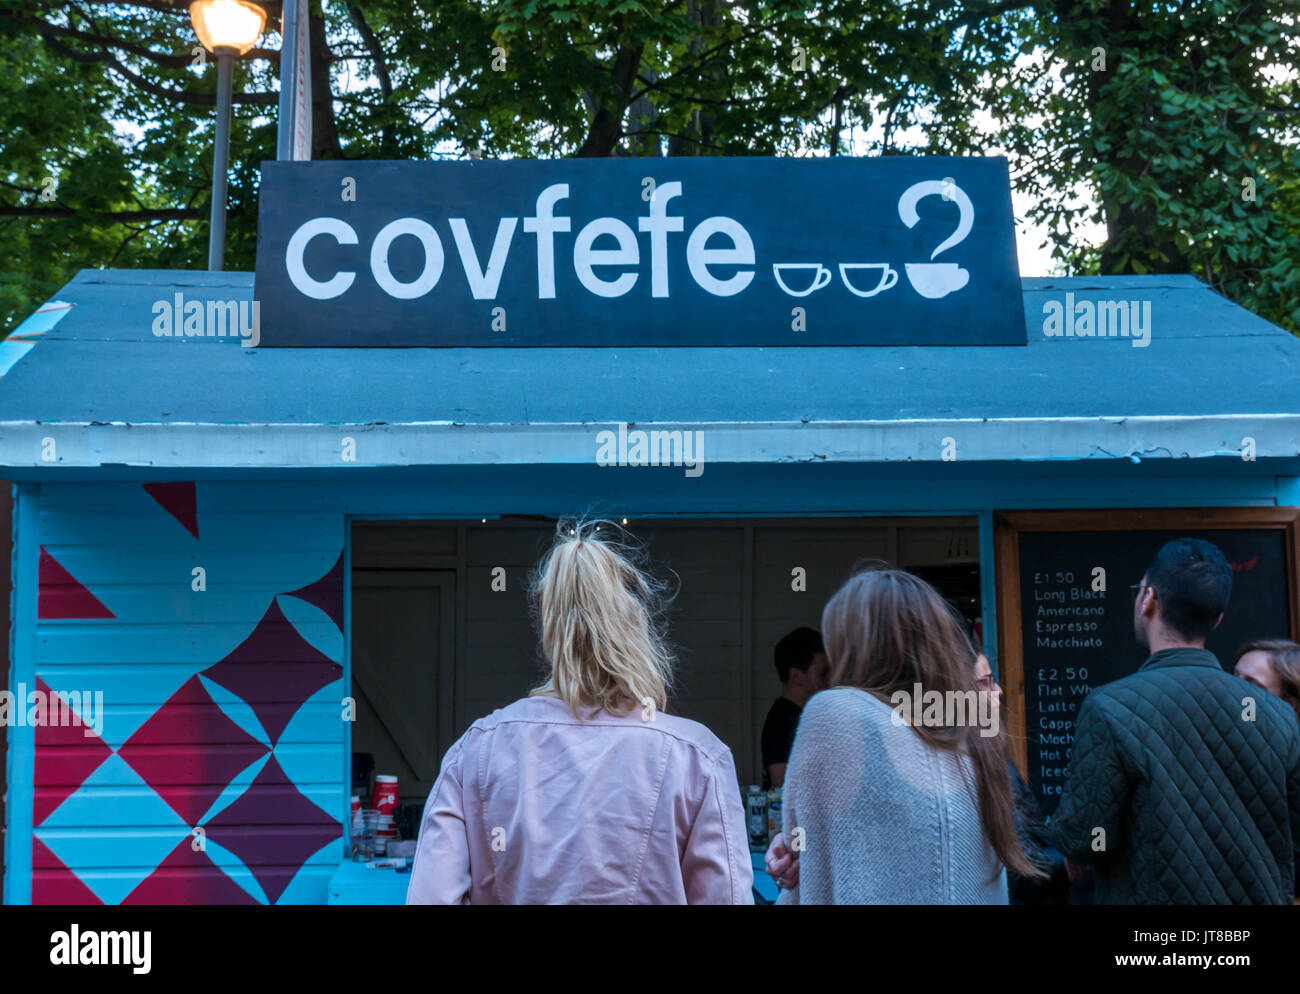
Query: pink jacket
x=534, y=807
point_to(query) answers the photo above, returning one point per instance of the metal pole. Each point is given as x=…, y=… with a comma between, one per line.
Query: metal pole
x=288, y=79
x=220, y=159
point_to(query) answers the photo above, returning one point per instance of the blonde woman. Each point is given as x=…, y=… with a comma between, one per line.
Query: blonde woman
x=586, y=792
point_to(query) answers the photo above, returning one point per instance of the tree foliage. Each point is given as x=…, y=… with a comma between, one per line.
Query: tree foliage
x=106, y=120
x=1183, y=121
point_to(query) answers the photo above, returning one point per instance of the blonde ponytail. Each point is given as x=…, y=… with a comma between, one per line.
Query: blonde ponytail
x=598, y=611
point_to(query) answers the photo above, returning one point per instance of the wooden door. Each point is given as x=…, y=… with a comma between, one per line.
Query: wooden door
x=403, y=672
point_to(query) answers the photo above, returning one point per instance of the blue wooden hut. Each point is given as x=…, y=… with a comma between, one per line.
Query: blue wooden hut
x=187, y=510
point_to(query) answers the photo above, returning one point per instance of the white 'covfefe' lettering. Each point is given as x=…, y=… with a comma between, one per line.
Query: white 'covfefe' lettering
x=628, y=253
x=659, y=224
x=483, y=285
x=741, y=253
x=544, y=224
x=342, y=233
x=433, y=258
x=485, y=282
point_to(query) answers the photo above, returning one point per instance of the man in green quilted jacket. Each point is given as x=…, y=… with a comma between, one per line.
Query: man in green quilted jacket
x=1184, y=781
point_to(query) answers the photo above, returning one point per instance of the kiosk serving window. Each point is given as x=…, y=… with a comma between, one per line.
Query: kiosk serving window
x=441, y=633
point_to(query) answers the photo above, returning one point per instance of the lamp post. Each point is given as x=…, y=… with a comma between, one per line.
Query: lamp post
x=226, y=28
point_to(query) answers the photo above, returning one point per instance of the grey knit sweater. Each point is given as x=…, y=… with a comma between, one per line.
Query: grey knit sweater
x=886, y=818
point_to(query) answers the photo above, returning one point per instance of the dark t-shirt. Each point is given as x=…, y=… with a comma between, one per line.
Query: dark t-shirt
x=778, y=734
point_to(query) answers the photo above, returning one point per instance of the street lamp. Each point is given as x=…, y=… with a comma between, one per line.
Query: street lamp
x=226, y=28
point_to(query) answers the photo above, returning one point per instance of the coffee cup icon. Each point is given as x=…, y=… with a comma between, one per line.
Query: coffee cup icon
x=820, y=279
x=888, y=277
x=936, y=279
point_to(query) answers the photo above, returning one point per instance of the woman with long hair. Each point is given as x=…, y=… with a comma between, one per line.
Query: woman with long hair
x=1273, y=664
x=586, y=791
x=1053, y=886
x=897, y=790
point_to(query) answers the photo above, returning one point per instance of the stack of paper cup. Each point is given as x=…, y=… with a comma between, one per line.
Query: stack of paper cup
x=369, y=837
x=385, y=802
x=356, y=827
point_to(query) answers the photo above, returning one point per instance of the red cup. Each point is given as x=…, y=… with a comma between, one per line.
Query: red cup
x=385, y=802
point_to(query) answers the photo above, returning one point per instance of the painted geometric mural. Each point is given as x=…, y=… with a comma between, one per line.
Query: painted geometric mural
x=219, y=774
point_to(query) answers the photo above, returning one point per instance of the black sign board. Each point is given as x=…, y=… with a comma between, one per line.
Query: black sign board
x=683, y=251
x=1073, y=637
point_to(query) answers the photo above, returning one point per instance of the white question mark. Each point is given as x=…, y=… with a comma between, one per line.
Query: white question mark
x=949, y=191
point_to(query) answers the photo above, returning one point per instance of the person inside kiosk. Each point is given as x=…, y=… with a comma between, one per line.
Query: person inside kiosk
x=803, y=669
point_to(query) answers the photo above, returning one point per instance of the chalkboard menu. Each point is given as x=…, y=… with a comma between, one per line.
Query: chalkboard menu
x=1076, y=622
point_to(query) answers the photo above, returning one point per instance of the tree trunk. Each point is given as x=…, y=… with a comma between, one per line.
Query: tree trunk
x=324, y=131
x=607, y=126
x=643, y=117
x=698, y=132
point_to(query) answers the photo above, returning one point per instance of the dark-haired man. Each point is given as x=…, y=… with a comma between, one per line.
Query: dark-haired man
x=803, y=669
x=1184, y=781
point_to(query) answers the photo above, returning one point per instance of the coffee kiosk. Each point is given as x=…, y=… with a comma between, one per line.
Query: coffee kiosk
x=278, y=519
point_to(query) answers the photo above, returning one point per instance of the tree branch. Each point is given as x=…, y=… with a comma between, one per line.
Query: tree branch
x=675, y=134
x=376, y=50
x=983, y=11
x=179, y=7
x=108, y=41
x=20, y=189
x=112, y=217
x=178, y=96
x=703, y=60
x=274, y=8
x=373, y=46
x=607, y=125
x=696, y=98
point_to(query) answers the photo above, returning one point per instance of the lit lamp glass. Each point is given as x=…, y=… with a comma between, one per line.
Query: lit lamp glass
x=227, y=24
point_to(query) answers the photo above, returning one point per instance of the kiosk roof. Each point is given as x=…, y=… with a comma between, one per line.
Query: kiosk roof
x=1212, y=372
